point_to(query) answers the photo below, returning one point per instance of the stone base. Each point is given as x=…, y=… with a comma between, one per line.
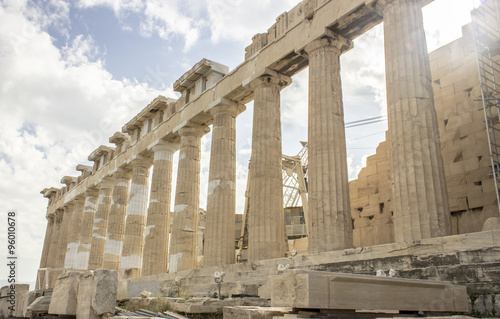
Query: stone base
x=193, y=305
x=325, y=290
x=472, y=260
x=255, y=312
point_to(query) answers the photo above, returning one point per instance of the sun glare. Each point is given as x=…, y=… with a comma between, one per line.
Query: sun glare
x=443, y=20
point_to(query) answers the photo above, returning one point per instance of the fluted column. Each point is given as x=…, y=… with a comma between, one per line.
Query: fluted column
x=330, y=225
x=74, y=233
x=184, y=235
x=155, y=258
x=85, y=242
x=419, y=187
x=54, y=239
x=220, y=220
x=46, y=242
x=63, y=235
x=135, y=224
x=266, y=225
x=101, y=224
x=116, y=224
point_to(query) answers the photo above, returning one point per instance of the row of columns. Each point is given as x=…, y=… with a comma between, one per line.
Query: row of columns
x=113, y=228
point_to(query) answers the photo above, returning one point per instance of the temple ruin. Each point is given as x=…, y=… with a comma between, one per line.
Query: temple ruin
x=425, y=206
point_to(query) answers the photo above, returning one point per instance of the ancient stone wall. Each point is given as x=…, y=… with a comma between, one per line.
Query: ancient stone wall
x=464, y=147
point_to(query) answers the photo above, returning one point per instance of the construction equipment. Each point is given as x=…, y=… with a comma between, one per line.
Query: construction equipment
x=294, y=172
x=486, y=41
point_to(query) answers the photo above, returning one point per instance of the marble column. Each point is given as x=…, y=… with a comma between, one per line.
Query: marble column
x=419, y=187
x=184, y=234
x=116, y=224
x=135, y=223
x=54, y=239
x=266, y=225
x=219, y=246
x=155, y=258
x=330, y=224
x=63, y=235
x=46, y=242
x=85, y=241
x=100, y=229
x=74, y=233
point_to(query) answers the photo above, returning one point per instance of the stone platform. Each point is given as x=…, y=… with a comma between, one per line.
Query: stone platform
x=472, y=260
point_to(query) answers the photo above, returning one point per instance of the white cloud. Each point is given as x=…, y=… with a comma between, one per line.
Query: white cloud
x=48, y=13
x=120, y=7
x=167, y=20
x=227, y=20
x=294, y=101
x=80, y=51
x=239, y=20
x=57, y=106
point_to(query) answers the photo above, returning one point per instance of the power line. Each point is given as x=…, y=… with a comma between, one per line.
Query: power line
x=369, y=119
x=366, y=123
x=360, y=137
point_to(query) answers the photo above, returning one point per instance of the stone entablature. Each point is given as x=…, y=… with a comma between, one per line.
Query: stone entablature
x=204, y=75
x=121, y=141
x=159, y=110
x=101, y=156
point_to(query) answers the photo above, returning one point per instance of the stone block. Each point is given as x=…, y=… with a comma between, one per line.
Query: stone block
x=497, y=304
x=368, y=190
x=458, y=204
x=323, y=290
x=492, y=223
x=246, y=312
x=64, y=294
x=39, y=306
x=496, y=238
x=361, y=222
x=4, y=291
x=97, y=292
x=484, y=305
x=470, y=241
x=4, y=308
x=488, y=185
x=11, y=299
x=24, y=301
x=479, y=199
x=122, y=290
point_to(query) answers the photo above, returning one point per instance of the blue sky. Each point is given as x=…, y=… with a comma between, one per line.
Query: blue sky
x=73, y=72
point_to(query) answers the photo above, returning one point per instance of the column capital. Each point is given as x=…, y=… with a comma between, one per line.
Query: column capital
x=379, y=6
x=122, y=173
x=330, y=39
x=92, y=192
x=225, y=106
x=106, y=182
x=189, y=128
x=68, y=206
x=79, y=199
x=272, y=78
x=141, y=160
x=58, y=214
x=50, y=217
x=162, y=145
